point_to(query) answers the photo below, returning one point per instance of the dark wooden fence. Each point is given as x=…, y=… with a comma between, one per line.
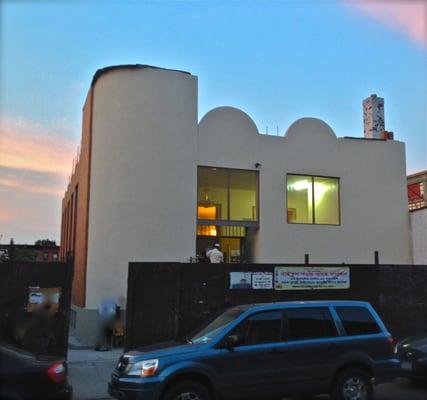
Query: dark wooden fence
x=169, y=300
x=34, y=331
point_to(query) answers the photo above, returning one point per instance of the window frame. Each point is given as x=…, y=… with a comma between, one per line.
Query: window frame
x=313, y=199
x=344, y=330
x=282, y=329
x=228, y=221
x=199, y=329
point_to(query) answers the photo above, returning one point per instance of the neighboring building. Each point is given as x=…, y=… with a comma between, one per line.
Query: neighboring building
x=153, y=183
x=419, y=235
x=417, y=190
x=417, y=202
x=30, y=252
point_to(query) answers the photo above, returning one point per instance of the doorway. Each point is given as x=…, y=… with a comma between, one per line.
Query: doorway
x=233, y=248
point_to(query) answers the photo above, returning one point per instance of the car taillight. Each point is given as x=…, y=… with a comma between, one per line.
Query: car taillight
x=57, y=372
x=392, y=343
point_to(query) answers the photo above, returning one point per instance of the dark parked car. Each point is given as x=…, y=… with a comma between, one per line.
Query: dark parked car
x=413, y=356
x=26, y=376
x=266, y=351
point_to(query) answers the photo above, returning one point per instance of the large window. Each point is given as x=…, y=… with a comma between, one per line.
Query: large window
x=212, y=193
x=313, y=200
x=227, y=194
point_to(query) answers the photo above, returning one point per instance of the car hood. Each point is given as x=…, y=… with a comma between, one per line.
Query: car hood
x=23, y=355
x=163, y=349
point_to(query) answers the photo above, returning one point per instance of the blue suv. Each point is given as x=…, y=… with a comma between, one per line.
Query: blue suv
x=266, y=351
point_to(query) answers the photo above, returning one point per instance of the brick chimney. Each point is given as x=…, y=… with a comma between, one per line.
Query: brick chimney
x=373, y=117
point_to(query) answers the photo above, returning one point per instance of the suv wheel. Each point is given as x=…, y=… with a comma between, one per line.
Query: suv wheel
x=187, y=390
x=352, y=384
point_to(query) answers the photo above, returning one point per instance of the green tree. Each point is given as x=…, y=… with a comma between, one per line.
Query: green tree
x=45, y=243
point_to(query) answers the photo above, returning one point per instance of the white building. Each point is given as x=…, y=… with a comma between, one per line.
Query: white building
x=155, y=183
x=419, y=235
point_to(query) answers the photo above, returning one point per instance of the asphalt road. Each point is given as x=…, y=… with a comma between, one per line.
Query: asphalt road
x=401, y=389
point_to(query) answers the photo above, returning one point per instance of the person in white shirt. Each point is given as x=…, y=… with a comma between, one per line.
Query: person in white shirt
x=215, y=255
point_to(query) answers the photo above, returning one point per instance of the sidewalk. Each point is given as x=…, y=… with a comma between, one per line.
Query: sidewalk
x=89, y=372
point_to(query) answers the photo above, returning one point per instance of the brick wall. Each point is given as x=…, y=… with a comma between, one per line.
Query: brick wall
x=75, y=207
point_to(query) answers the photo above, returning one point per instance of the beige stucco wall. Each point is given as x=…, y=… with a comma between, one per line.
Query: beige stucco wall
x=145, y=151
x=372, y=176
x=419, y=235
x=143, y=175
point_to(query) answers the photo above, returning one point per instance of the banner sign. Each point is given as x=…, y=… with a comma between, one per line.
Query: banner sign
x=251, y=280
x=262, y=280
x=38, y=297
x=306, y=278
x=240, y=280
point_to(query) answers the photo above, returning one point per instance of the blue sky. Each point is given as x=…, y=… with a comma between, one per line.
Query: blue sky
x=278, y=61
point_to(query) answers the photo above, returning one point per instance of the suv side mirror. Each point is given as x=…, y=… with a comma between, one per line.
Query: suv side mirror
x=233, y=341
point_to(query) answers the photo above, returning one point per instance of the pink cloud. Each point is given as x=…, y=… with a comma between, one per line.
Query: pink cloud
x=7, y=215
x=34, y=164
x=30, y=146
x=406, y=16
x=28, y=186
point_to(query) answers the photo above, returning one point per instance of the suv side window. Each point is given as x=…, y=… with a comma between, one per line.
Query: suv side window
x=309, y=323
x=357, y=320
x=263, y=327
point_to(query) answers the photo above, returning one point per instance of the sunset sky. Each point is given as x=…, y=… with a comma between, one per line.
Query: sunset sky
x=278, y=61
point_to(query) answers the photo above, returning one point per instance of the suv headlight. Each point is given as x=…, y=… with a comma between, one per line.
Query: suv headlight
x=144, y=368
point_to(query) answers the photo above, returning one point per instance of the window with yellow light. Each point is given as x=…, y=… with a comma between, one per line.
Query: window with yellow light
x=312, y=200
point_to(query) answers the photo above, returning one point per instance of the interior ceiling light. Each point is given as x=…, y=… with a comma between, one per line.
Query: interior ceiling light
x=300, y=185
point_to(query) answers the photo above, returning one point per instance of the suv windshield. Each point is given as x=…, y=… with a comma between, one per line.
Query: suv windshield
x=207, y=333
